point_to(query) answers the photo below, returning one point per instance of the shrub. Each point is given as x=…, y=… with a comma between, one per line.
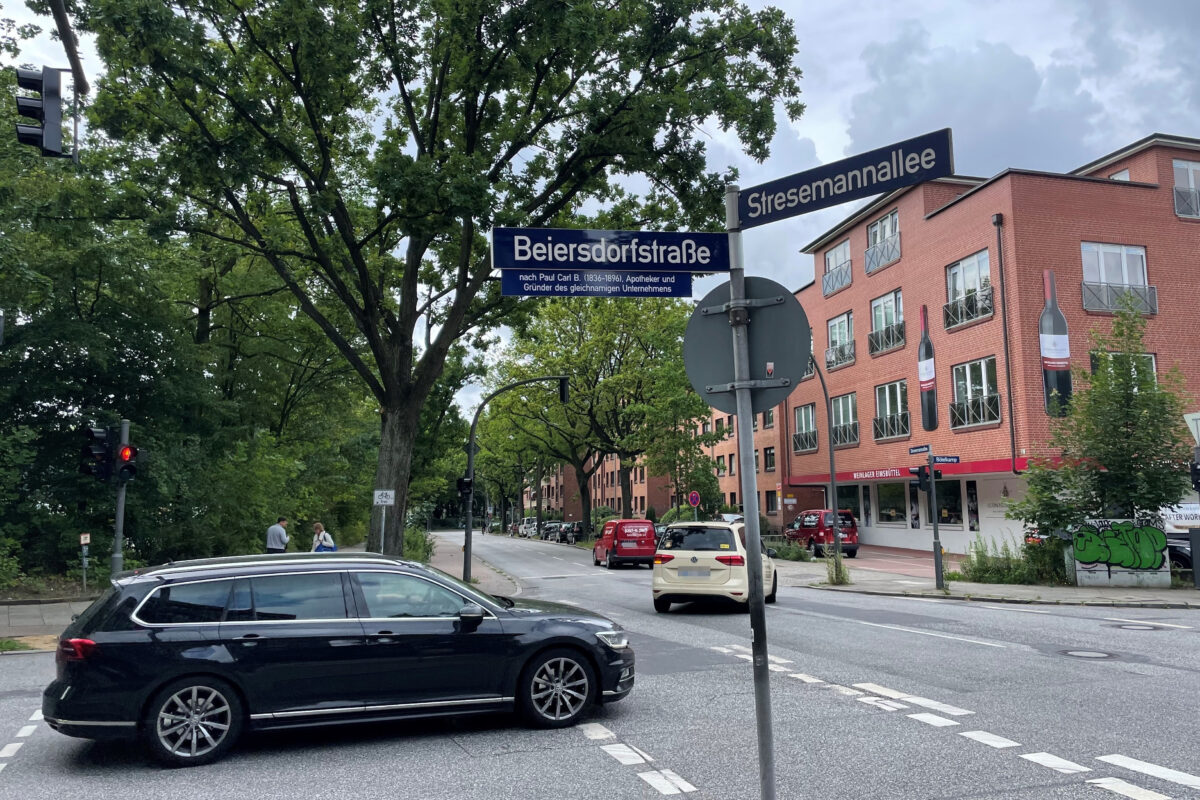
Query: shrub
x=10, y=567
x=651, y=514
x=418, y=544
x=1040, y=561
x=791, y=552
x=835, y=568
x=671, y=515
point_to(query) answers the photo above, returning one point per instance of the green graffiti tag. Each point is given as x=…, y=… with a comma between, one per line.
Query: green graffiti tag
x=1122, y=545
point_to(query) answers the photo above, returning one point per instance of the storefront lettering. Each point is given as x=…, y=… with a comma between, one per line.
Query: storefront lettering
x=876, y=473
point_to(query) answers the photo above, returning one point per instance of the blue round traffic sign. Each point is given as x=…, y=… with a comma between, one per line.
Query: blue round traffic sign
x=693, y=498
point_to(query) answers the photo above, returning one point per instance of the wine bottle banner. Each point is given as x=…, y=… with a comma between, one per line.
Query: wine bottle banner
x=1056, y=350
x=927, y=375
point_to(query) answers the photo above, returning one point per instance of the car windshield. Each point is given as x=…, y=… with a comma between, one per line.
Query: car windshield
x=697, y=539
x=470, y=591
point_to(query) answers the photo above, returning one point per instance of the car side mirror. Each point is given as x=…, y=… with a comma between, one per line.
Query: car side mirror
x=471, y=615
x=770, y=552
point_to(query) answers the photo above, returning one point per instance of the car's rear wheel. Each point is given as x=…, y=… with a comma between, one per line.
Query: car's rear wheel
x=774, y=588
x=662, y=605
x=608, y=562
x=851, y=554
x=595, y=559
x=557, y=687
x=193, y=721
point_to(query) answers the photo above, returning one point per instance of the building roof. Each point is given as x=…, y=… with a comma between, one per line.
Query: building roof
x=1165, y=139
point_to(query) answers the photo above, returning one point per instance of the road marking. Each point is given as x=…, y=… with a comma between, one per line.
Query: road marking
x=10, y=749
x=846, y=690
x=1127, y=789
x=2, y=765
x=800, y=676
x=26, y=731
x=724, y=650
x=641, y=752
x=941, y=636
x=933, y=719
x=1022, y=610
x=594, y=730
x=37, y=715
x=886, y=705
x=924, y=702
x=1166, y=773
x=1055, y=763
x=744, y=656
x=1149, y=622
x=777, y=668
x=666, y=782
x=990, y=739
x=623, y=753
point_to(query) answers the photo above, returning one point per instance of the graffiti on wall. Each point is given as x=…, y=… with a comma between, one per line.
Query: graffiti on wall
x=1123, y=545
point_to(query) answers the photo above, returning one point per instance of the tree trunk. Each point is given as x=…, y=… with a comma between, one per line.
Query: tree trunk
x=585, y=498
x=397, y=434
x=538, y=491
x=626, y=492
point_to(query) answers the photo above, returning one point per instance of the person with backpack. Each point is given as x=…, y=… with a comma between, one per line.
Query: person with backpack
x=322, y=541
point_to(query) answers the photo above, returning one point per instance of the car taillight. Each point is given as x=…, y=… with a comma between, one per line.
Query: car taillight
x=75, y=650
x=733, y=561
x=662, y=558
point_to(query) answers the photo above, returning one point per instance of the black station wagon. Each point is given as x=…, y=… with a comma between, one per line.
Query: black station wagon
x=188, y=655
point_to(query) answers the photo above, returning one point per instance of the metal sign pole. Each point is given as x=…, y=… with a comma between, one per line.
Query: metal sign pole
x=382, y=522
x=939, y=578
x=117, y=561
x=739, y=320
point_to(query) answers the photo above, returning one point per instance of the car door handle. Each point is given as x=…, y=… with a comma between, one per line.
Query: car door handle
x=382, y=636
x=248, y=639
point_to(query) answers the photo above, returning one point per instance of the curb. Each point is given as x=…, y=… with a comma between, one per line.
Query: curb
x=1012, y=600
x=42, y=601
x=24, y=652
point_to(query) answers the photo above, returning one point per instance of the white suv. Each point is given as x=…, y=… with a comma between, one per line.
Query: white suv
x=707, y=559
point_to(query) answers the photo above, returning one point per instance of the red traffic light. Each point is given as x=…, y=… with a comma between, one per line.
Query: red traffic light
x=127, y=452
x=126, y=464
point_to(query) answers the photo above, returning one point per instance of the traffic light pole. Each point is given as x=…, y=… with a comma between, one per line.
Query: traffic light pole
x=938, y=576
x=117, y=562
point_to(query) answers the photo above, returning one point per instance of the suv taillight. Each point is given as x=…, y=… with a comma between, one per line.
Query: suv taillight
x=662, y=558
x=733, y=561
x=75, y=650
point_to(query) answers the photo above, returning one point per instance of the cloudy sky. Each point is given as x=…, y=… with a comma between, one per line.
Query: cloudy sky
x=1039, y=84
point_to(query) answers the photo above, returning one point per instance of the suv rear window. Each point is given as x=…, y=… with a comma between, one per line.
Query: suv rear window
x=844, y=519
x=94, y=614
x=185, y=603
x=697, y=539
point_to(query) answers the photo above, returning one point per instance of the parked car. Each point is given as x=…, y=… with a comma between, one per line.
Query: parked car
x=813, y=529
x=1179, y=552
x=550, y=531
x=529, y=527
x=698, y=560
x=625, y=541
x=659, y=530
x=187, y=656
x=570, y=532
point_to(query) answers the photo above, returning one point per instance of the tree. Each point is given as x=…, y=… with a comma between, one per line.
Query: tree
x=1122, y=450
x=359, y=150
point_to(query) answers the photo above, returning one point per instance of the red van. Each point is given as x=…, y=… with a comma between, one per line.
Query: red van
x=813, y=529
x=625, y=541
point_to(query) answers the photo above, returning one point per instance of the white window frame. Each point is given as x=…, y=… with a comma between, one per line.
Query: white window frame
x=837, y=256
x=756, y=460
x=768, y=418
x=967, y=276
x=886, y=226
x=772, y=501
x=1191, y=171
x=843, y=326
x=844, y=409
x=891, y=302
x=805, y=418
x=894, y=396
x=965, y=369
x=720, y=465
x=769, y=459
x=1122, y=175
x=1097, y=271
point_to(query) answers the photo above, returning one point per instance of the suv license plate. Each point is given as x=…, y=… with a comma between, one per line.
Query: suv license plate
x=695, y=572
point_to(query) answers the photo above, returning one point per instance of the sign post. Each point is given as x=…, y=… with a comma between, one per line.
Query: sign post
x=84, y=540
x=383, y=499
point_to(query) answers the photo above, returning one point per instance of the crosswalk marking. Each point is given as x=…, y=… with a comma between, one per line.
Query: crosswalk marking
x=623, y=753
x=1145, y=767
x=1127, y=789
x=800, y=676
x=594, y=730
x=933, y=719
x=924, y=702
x=666, y=782
x=1055, y=763
x=886, y=705
x=990, y=739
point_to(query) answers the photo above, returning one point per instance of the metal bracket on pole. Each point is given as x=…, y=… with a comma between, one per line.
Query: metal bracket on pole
x=744, y=302
x=735, y=385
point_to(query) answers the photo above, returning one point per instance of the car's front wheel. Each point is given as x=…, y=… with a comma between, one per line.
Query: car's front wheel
x=774, y=589
x=193, y=721
x=557, y=687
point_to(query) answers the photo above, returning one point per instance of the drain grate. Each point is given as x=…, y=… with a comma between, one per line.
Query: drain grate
x=1138, y=627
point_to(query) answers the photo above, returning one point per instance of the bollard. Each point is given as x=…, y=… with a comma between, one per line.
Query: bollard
x=1194, y=536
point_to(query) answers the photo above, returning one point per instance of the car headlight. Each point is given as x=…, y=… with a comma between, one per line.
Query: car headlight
x=617, y=640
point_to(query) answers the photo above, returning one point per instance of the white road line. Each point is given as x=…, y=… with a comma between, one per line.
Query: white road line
x=1149, y=622
x=666, y=782
x=744, y=656
x=37, y=715
x=990, y=739
x=674, y=778
x=846, y=690
x=778, y=660
x=2, y=765
x=1166, y=773
x=886, y=705
x=882, y=691
x=724, y=650
x=933, y=719
x=1022, y=610
x=800, y=676
x=1055, y=763
x=1127, y=789
x=930, y=633
x=594, y=730
x=623, y=753
x=26, y=731
x=9, y=750
x=741, y=648
x=925, y=599
x=777, y=668
x=924, y=702
x=641, y=753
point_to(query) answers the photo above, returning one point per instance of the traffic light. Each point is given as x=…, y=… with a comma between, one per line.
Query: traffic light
x=937, y=474
x=47, y=109
x=126, y=462
x=1195, y=475
x=922, y=473
x=96, y=456
x=464, y=486
x=564, y=393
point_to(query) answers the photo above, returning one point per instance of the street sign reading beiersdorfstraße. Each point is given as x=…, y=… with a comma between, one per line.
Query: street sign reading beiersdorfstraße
x=915, y=160
x=650, y=251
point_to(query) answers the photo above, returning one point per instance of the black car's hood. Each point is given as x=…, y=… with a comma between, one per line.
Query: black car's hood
x=545, y=608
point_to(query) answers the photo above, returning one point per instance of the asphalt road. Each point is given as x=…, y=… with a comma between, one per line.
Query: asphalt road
x=872, y=697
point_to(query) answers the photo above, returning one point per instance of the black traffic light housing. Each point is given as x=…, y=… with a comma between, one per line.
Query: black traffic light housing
x=1195, y=475
x=922, y=473
x=126, y=462
x=96, y=455
x=464, y=486
x=47, y=109
x=564, y=391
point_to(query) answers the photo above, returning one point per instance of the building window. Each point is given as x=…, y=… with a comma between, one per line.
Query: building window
x=733, y=499
x=804, y=440
x=720, y=427
x=769, y=459
x=729, y=425
x=838, y=256
x=1123, y=175
x=754, y=422
x=847, y=496
x=837, y=269
x=1187, y=187
x=810, y=368
x=891, y=410
x=769, y=418
x=976, y=401
x=733, y=464
x=893, y=502
x=1135, y=365
x=968, y=290
x=1113, y=270
x=887, y=323
x=841, y=341
x=720, y=466
x=844, y=425
x=949, y=503
x=756, y=460
x=706, y=427
x=772, y=501
x=883, y=242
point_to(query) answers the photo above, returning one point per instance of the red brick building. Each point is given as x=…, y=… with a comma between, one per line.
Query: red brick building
x=973, y=252
x=560, y=491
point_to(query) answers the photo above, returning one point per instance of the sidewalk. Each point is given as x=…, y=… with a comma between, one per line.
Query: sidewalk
x=877, y=582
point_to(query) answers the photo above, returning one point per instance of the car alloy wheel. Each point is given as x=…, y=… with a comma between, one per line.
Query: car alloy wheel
x=558, y=688
x=608, y=562
x=193, y=721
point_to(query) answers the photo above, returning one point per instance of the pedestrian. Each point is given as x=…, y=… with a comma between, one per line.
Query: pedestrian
x=277, y=537
x=322, y=541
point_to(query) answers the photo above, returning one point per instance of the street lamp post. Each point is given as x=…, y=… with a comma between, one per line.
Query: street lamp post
x=469, y=487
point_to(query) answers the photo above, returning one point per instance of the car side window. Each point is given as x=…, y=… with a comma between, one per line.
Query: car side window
x=300, y=596
x=809, y=521
x=186, y=603
x=393, y=595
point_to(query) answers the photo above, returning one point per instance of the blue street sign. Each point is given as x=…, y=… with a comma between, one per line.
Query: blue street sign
x=651, y=251
x=915, y=160
x=593, y=283
x=945, y=459
x=921, y=448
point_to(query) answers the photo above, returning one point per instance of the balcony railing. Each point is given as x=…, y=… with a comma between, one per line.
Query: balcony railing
x=976, y=411
x=845, y=435
x=804, y=441
x=892, y=426
x=810, y=368
x=886, y=339
x=883, y=253
x=839, y=355
x=836, y=278
x=1187, y=202
x=973, y=306
x=1107, y=297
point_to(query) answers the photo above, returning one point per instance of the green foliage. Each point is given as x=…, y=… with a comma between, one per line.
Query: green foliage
x=791, y=552
x=1041, y=562
x=651, y=514
x=12, y=645
x=670, y=515
x=835, y=568
x=418, y=544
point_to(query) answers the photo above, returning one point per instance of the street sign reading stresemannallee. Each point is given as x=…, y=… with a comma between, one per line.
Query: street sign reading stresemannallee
x=915, y=160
